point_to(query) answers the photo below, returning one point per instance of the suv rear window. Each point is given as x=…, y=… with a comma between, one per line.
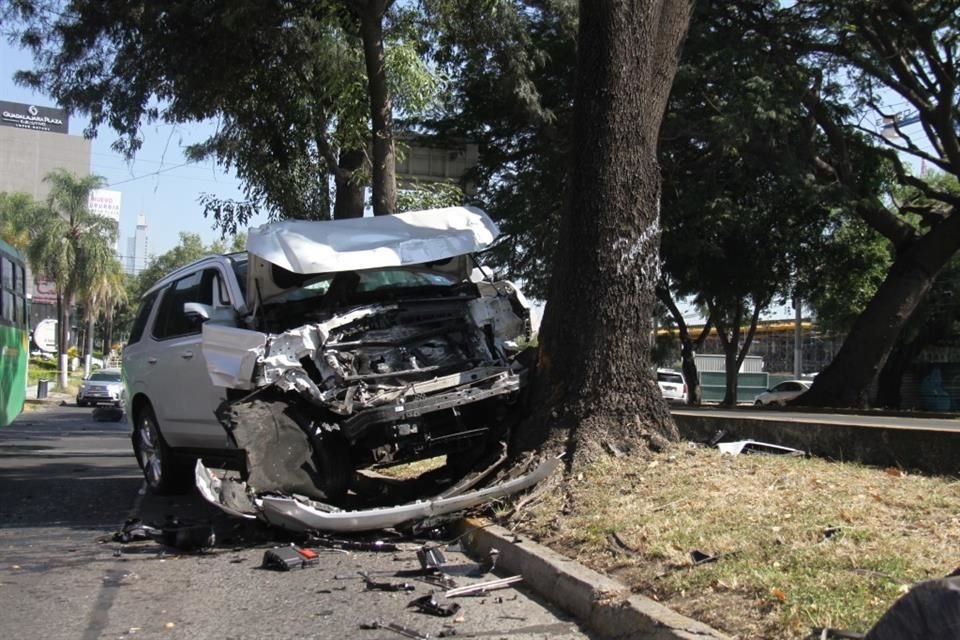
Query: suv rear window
x=675, y=378
x=141, y=320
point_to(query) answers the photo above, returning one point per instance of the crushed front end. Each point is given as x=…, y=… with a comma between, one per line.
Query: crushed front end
x=341, y=374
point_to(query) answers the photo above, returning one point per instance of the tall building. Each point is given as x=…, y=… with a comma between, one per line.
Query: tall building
x=34, y=141
x=138, y=247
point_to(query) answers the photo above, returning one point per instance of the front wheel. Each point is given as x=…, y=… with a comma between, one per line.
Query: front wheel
x=163, y=471
x=758, y=404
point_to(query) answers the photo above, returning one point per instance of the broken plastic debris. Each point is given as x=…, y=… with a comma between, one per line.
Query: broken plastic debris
x=373, y=585
x=752, y=446
x=482, y=587
x=183, y=537
x=289, y=558
x=699, y=557
x=429, y=604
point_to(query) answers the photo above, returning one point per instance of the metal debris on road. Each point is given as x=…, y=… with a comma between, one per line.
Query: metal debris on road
x=377, y=546
x=431, y=557
x=396, y=628
x=373, y=585
x=482, y=587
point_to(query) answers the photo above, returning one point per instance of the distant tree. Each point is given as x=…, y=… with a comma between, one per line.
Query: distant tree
x=740, y=211
x=429, y=196
x=99, y=296
x=595, y=381
x=874, y=55
x=511, y=91
x=689, y=344
x=189, y=249
x=839, y=279
x=936, y=318
x=70, y=247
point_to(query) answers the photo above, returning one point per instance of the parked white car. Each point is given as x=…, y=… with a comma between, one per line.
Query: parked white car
x=327, y=349
x=782, y=393
x=672, y=385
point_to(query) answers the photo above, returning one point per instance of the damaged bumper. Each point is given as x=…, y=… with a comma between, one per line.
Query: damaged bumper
x=301, y=514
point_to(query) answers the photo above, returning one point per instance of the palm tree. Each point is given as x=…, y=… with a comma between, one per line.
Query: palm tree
x=17, y=213
x=101, y=296
x=71, y=245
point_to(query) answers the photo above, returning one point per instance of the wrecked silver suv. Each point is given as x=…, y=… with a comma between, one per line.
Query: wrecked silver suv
x=328, y=351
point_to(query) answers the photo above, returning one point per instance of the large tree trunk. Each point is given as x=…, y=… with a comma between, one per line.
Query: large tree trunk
x=595, y=381
x=384, y=168
x=349, y=200
x=850, y=380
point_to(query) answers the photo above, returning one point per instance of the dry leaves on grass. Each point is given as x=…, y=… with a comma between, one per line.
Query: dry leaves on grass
x=802, y=542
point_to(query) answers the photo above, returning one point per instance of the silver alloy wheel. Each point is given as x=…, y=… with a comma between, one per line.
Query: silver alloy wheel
x=149, y=449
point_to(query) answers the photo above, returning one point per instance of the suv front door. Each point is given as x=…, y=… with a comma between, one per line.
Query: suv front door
x=184, y=397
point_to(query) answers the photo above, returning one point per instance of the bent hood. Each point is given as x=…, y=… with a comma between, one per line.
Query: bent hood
x=414, y=237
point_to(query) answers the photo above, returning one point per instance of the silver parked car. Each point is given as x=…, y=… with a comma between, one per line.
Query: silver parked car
x=782, y=393
x=101, y=387
x=327, y=349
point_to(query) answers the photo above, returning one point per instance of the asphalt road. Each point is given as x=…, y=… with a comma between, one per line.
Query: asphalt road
x=828, y=419
x=67, y=483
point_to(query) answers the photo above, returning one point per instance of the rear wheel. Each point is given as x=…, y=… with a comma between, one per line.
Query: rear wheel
x=165, y=472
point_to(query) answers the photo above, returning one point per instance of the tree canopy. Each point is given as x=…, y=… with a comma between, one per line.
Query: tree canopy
x=287, y=83
x=872, y=56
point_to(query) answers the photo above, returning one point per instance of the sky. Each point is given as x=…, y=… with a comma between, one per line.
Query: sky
x=154, y=182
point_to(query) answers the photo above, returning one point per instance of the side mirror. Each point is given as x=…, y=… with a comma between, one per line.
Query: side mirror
x=197, y=311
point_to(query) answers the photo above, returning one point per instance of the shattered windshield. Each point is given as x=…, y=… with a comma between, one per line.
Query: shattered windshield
x=342, y=287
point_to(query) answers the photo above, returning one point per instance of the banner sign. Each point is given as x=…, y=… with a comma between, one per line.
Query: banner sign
x=29, y=116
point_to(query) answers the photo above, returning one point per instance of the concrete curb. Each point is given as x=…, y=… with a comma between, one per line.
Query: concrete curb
x=601, y=603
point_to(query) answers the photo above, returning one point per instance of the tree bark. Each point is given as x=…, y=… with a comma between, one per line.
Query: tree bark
x=349, y=199
x=595, y=382
x=384, y=168
x=850, y=380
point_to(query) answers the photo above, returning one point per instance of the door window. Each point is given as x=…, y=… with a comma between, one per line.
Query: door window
x=201, y=286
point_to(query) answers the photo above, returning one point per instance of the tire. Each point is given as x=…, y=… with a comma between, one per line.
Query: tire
x=758, y=404
x=164, y=472
x=81, y=403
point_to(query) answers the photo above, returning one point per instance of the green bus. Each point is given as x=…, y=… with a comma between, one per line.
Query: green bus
x=14, y=334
